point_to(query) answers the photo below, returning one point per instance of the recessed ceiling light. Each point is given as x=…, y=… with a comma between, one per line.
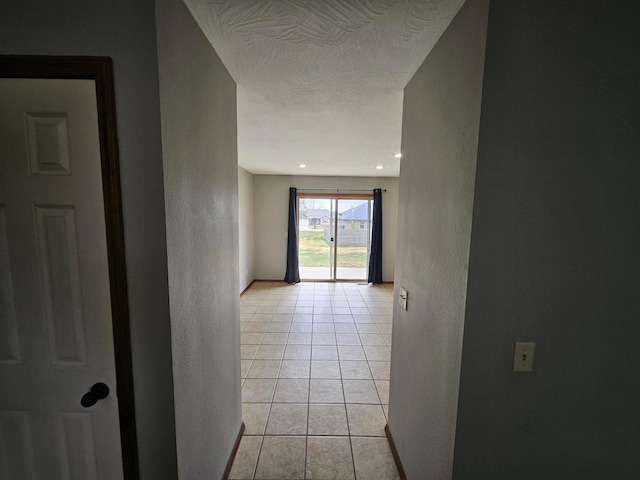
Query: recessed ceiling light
x=302, y=165
x=398, y=155
x=379, y=167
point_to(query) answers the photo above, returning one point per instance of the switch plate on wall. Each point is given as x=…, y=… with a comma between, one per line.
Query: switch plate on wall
x=402, y=298
x=523, y=356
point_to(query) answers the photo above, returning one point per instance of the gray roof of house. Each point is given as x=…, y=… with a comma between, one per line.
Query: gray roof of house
x=360, y=212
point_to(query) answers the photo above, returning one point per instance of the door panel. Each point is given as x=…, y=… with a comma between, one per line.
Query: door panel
x=60, y=283
x=9, y=344
x=48, y=143
x=77, y=453
x=55, y=286
x=353, y=239
x=16, y=446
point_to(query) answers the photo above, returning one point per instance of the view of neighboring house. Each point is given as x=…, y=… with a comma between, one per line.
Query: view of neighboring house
x=318, y=216
x=357, y=217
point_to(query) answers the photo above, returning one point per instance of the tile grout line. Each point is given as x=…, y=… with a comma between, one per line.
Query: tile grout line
x=346, y=411
x=306, y=438
x=255, y=468
x=264, y=432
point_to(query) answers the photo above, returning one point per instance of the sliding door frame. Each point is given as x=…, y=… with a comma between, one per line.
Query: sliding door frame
x=337, y=197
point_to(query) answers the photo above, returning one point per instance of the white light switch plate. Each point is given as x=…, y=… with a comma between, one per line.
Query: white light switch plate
x=402, y=298
x=523, y=356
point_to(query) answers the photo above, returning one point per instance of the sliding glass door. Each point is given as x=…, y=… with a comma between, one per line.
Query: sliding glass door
x=334, y=236
x=353, y=239
x=316, y=229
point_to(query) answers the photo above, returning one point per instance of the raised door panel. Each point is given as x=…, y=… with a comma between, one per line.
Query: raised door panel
x=60, y=282
x=16, y=446
x=48, y=143
x=9, y=337
x=76, y=447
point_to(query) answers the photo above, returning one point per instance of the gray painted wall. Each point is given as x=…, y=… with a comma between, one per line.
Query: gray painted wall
x=439, y=146
x=198, y=105
x=271, y=199
x=124, y=31
x=246, y=228
x=554, y=252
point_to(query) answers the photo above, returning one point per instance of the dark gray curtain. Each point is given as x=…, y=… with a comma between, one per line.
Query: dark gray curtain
x=293, y=274
x=375, y=260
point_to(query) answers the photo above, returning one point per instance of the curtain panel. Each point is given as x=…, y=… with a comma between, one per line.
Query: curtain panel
x=292, y=274
x=375, y=259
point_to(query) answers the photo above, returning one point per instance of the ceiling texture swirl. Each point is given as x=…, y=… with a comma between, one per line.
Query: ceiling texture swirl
x=320, y=82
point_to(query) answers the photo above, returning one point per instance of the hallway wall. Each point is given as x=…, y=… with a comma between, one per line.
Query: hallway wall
x=124, y=31
x=271, y=197
x=198, y=106
x=554, y=250
x=439, y=146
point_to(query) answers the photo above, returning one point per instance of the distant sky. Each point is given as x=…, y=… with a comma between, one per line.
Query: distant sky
x=326, y=203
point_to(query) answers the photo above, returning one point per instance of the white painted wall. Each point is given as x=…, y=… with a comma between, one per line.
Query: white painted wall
x=271, y=204
x=554, y=250
x=124, y=31
x=199, y=143
x=246, y=228
x=439, y=146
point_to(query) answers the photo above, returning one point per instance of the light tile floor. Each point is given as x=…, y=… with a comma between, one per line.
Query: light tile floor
x=315, y=381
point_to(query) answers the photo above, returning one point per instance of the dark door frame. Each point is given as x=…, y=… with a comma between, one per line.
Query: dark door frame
x=100, y=69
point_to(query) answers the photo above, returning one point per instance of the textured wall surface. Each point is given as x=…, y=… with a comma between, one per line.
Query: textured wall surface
x=198, y=106
x=124, y=31
x=271, y=197
x=554, y=249
x=245, y=228
x=321, y=82
x=439, y=141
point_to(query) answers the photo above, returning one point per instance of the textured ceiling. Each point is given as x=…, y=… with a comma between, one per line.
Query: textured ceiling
x=320, y=81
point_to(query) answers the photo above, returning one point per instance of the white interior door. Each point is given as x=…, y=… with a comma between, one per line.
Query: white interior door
x=56, y=337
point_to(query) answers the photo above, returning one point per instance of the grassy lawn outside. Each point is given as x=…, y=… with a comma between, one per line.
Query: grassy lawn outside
x=314, y=252
x=352, y=257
